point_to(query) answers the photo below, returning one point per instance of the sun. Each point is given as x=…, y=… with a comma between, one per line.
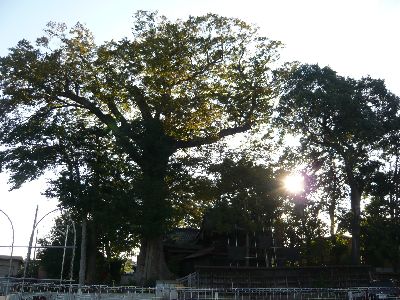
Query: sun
x=294, y=183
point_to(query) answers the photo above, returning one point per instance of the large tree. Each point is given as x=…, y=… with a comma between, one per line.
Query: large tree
x=171, y=86
x=344, y=119
x=381, y=224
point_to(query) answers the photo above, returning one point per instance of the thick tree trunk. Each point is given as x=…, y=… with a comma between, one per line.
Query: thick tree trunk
x=92, y=275
x=332, y=221
x=334, y=198
x=355, y=199
x=355, y=195
x=82, y=263
x=155, y=212
x=247, y=258
x=151, y=264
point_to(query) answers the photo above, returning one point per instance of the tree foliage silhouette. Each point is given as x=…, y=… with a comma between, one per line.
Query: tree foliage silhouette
x=173, y=85
x=347, y=120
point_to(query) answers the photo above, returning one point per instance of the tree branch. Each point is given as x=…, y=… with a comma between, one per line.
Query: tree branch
x=122, y=136
x=200, y=71
x=126, y=127
x=141, y=103
x=180, y=144
x=83, y=102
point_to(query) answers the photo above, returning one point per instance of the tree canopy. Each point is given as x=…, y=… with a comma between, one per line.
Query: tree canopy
x=344, y=120
x=125, y=124
x=172, y=85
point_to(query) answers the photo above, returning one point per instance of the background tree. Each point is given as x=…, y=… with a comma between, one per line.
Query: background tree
x=247, y=196
x=342, y=117
x=190, y=192
x=302, y=229
x=331, y=181
x=50, y=259
x=381, y=223
x=173, y=85
x=88, y=177
x=380, y=235
x=303, y=224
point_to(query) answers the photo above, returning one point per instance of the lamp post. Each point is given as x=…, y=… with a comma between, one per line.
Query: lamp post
x=28, y=256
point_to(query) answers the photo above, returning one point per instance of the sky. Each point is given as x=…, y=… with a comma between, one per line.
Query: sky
x=354, y=37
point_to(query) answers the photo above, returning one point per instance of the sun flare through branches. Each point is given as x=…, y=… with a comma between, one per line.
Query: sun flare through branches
x=294, y=183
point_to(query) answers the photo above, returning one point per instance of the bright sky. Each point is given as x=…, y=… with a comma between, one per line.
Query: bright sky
x=354, y=37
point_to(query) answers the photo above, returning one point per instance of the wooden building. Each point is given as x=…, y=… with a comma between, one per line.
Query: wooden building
x=242, y=260
x=187, y=248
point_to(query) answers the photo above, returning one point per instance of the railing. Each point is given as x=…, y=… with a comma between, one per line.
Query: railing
x=52, y=291
x=37, y=288
x=286, y=293
x=191, y=280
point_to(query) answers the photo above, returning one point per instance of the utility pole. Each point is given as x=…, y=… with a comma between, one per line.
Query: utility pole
x=65, y=248
x=28, y=256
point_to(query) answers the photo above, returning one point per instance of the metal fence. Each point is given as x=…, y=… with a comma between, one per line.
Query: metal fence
x=53, y=291
x=289, y=293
